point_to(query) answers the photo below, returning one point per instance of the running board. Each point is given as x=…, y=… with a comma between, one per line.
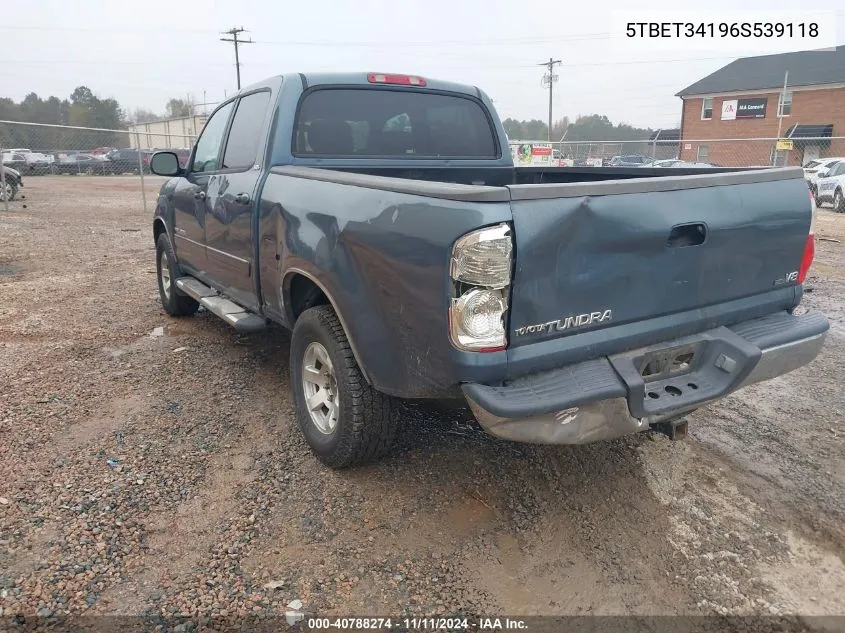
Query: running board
x=237, y=316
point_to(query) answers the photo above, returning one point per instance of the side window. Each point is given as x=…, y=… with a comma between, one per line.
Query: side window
x=245, y=135
x=208, y=146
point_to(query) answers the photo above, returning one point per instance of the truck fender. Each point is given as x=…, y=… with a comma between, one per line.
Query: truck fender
x=289, y=273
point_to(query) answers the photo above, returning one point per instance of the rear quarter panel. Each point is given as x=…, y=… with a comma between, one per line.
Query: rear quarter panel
x=384, y=259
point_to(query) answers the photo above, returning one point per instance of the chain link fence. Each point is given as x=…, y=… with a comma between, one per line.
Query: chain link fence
x=31, y=150
x=746, y=152
x=42, y=150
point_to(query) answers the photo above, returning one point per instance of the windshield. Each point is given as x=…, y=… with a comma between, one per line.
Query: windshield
x=376, y=122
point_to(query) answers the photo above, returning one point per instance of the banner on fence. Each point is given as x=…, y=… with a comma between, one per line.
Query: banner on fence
x=532, y=154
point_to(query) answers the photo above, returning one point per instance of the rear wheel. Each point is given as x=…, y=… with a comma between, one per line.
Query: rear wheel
x=344, y=420
x=172, y=300
x=838, y=202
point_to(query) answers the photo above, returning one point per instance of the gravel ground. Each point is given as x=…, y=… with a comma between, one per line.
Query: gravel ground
x=163, y=474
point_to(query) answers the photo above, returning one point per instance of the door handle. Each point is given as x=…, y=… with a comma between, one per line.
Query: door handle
x=199, y=195
x=242, y=198
x=687, y=235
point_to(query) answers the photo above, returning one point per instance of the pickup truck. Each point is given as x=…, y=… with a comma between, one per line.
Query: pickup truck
x=381, y=219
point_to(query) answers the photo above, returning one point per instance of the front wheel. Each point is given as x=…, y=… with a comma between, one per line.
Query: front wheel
x=344, y=419
x=172, y=300
x=8, y=193
x=838, y=202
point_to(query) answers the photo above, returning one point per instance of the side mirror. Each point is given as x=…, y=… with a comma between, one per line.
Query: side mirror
x=823, y=174
x=165, y=164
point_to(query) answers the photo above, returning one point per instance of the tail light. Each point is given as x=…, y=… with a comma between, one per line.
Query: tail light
x=481, y=275
x=402, y=80
x=809, y=245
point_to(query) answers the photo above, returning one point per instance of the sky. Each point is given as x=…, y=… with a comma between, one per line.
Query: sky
x=143, y=53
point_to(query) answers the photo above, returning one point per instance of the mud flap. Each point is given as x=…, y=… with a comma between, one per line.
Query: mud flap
x=688, y=372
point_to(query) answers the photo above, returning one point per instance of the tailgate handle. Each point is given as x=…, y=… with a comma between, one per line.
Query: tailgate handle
x=687, y=235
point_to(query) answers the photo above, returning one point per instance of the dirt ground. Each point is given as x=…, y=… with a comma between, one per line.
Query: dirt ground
x=165, y=474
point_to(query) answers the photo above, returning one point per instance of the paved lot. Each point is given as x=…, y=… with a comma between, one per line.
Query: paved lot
x=143, y=474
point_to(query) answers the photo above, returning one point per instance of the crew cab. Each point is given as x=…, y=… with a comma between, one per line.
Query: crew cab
x=380, y=218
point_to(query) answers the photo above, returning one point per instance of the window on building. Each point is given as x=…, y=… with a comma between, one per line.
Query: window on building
x=784, y=104
x=707, y=108
x=703, y=154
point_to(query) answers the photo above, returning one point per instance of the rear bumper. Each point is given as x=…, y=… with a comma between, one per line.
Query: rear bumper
x=608, y=397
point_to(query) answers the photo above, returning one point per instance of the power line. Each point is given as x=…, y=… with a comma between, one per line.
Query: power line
x=550, y=79
x=234, y=33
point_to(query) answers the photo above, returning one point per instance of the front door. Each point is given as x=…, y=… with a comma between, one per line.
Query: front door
x=232, y=200
x=191, y=192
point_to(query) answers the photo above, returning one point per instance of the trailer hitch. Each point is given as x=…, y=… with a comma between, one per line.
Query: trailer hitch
x=673, y=429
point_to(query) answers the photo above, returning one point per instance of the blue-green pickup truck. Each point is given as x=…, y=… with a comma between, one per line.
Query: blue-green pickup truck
x=380, y=218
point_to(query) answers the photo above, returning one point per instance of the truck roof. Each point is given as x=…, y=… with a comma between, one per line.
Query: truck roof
x=360, y=78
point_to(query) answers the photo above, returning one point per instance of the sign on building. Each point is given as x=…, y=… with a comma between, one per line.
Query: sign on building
x=753, y=108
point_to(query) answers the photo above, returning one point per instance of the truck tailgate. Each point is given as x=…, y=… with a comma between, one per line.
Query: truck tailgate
x=602, y=254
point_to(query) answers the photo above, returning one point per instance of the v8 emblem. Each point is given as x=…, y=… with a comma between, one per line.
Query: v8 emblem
x=788, y=279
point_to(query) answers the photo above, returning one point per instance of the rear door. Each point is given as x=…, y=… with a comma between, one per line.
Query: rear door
x=232, y=198
x=189, y=197
x=597, y=255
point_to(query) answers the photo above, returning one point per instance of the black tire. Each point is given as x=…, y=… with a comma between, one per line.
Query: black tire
x=838, y=201
x=174, y=302
x=10, y=192
x=366, y=426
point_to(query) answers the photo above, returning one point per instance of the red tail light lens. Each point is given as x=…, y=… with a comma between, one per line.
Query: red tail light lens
x=402, y=80
x=807, y=259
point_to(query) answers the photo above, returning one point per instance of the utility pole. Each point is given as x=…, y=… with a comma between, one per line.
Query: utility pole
x=234, y=33
x=781, y=100
x=550, y=78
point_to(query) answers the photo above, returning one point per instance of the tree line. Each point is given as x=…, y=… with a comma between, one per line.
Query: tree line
x=81, y=109
x=591, y=127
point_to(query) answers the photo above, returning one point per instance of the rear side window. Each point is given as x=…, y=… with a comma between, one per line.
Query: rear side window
x=399, y=123
x=245, y=135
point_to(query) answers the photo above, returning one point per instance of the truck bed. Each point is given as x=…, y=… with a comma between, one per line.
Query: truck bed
x=503, y=176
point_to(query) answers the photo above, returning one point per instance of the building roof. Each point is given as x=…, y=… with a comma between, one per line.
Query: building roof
x=806, y=68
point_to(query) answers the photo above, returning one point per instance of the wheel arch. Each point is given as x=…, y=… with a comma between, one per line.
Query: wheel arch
x=291, y=313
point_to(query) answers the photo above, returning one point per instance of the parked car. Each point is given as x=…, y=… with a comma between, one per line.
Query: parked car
x=38, y=163
x=13, y=181
x=830, y=186
x=81, y=164
x=15, y=160
x=564, y=306
x=123, y=161
x=629, y=160
x=676, y=163
x=814, y=167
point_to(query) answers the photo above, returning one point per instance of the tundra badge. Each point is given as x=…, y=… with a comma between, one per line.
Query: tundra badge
x=578, y=320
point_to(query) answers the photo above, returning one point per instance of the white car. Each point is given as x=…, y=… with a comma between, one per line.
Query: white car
x=814, y=167
x=830, y=186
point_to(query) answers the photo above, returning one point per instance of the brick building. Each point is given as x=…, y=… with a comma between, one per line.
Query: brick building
x=746, y=100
